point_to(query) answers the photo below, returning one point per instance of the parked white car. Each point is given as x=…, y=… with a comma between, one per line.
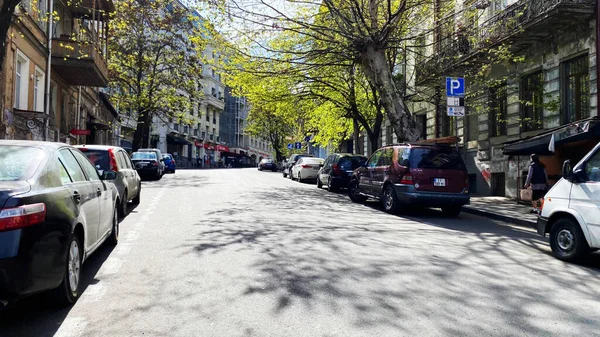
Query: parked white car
x=307, y=168
x=571, y=209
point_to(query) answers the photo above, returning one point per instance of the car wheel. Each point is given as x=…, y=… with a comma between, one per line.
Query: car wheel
x=299, y=178
x=330, y=186
x=114, y=236
x=389, y=200
x=284, y=174
x=136, y=200
x=354, y=192
x=68, y=291
x=567, y=240
x=319, y=183
x=291, y=175
x=451, y=211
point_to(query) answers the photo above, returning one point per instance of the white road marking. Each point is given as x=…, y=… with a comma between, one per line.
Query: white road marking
x=71, y=327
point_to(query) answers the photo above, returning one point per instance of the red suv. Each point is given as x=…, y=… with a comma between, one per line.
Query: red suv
x=429, y=175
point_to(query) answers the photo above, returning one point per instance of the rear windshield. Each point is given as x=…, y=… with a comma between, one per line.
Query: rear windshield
x=143, y=156
x=351, y=163
x=309, y=160
x=19, y=162
x=99, y=158
x=167, y=156
x=436, y=158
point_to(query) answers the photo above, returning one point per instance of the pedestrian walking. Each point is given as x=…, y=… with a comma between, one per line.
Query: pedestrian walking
x=537, y=180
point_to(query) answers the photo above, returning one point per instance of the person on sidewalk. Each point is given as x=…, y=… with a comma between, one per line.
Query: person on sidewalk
x=537, y=179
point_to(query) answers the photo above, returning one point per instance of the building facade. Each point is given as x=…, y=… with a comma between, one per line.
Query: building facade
x=544, y=103
x=79, y=112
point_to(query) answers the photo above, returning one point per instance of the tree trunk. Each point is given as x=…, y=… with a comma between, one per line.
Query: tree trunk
x=356, y=136
x=7, y=8
x=377, y=71
x=142, y=129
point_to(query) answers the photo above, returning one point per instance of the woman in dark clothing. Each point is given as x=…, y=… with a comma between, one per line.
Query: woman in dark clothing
x=537, y=179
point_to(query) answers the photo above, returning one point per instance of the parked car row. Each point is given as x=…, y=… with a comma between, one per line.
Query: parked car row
x=400, y=176
x=56, y=209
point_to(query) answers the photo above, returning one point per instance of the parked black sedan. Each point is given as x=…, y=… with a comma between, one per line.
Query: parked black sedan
x=267, y=164
x=337, y=170
x=55, y=210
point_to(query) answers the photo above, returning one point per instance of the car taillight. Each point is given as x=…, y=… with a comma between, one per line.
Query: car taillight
x=154, y=163
x=22, y=216
x=336, y=169
x=306, y=166
x=407, y=179
x=113, y=160
x=542, y=205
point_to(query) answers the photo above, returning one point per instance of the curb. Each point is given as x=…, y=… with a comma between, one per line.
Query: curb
x=516, y=221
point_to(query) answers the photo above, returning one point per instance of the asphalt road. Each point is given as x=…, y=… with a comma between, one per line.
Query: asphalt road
x=246, y=253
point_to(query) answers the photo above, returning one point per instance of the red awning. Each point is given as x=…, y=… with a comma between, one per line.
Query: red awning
x=222, y=148
x=209, y=146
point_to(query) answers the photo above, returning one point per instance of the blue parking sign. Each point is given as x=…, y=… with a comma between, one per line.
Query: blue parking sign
x=290, y=146
x=455, y=87
x=298, y=145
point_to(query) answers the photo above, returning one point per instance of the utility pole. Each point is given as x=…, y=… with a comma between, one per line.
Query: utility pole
x=48, y=69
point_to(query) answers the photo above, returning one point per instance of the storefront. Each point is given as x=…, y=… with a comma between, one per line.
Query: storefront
x=571, y=141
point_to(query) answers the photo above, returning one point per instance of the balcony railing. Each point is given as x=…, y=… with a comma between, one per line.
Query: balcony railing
x=213, y=101
x=79, y=62
x=518, y=24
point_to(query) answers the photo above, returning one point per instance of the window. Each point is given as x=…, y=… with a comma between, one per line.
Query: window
x=87, y=166
x=38, y=90
x=592, y=167
x=389, y=135
x=422, y=123
x=126, y=160
x=19, y=162
x=498, y=103
x=472, y=124
x=99, y=158
x=21, y=81
x=374, y=159
x=500, y=5
x=386, y=157
x=73, y=168
x=436, y=158
x=207, y=115
x=213, y=73
x=351, y=163
x=213, y=92
x=64, y=176
x=532, y=101
x=575, y=78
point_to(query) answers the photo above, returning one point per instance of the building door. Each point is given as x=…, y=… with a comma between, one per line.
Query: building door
x=498, y=182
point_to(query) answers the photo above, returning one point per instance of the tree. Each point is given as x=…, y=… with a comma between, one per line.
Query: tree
x=154, y=67
x=359, y=31
x=7, y=8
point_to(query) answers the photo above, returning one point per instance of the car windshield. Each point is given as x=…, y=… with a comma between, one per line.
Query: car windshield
x=143, y=156
x=100, y=158
x=351, y=163
x=167, y=156
x=436, y=158
x=19, y=162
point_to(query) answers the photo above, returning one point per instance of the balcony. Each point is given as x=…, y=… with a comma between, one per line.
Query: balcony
x=79, y=62
x=520, y=25
x=215, y=102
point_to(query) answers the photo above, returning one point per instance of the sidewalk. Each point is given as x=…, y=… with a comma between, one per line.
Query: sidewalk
x=503, y=209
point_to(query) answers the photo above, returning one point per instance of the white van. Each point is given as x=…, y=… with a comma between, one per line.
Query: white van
x=571, y=209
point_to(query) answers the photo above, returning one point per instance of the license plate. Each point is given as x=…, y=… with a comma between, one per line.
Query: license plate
x=439, y=182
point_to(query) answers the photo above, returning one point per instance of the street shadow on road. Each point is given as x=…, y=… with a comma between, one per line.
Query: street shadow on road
x=39, y=314
x=461, y=276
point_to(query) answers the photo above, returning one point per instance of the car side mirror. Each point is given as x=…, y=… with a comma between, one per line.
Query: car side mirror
x=321, y=165
x=108, y=175
x=162, y=159
x=567, y=170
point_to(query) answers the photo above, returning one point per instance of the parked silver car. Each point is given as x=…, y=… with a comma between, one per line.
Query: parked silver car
x=114, y=158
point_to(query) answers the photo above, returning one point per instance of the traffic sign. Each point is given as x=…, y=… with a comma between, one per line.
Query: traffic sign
x=455, y=87
x=298, y=145
x=455, y=101
x=456, y=111
x=290, y=146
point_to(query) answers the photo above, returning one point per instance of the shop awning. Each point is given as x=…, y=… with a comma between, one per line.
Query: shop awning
x=177, y=140
x=541, y=143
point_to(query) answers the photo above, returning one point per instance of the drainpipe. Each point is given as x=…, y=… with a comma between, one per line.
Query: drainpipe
x=597, y=55
x=48, y=70
x=78, y=111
